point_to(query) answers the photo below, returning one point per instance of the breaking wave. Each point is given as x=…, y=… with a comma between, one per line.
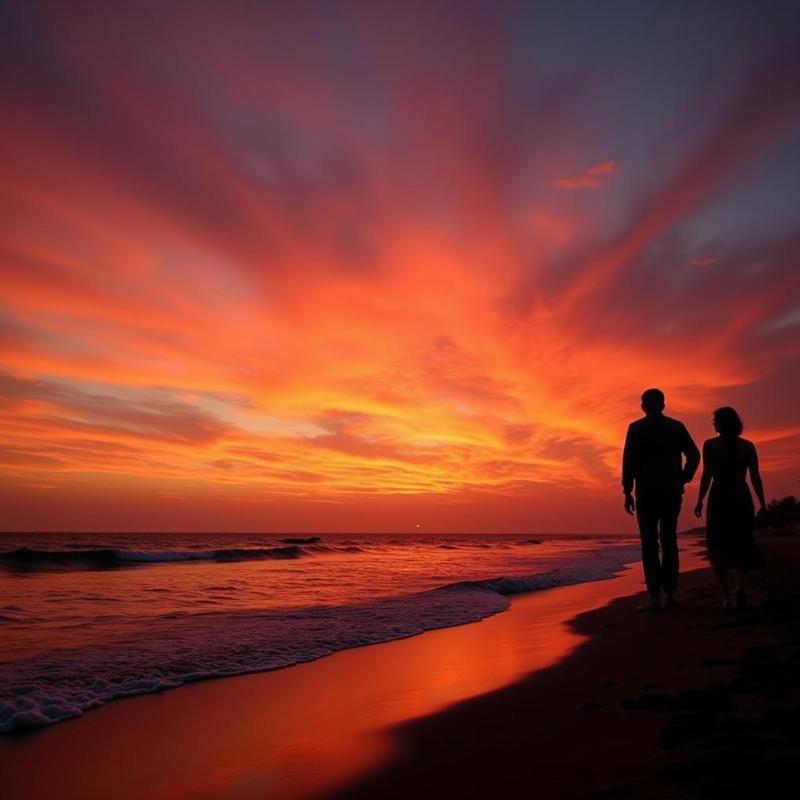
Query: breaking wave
x=29, y=559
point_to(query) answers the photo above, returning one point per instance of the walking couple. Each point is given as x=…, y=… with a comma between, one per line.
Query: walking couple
x=653, y=467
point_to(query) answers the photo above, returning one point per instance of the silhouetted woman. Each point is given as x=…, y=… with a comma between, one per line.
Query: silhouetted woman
x=730, y=518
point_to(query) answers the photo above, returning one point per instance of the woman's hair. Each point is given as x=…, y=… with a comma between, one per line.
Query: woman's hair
x=729, y=423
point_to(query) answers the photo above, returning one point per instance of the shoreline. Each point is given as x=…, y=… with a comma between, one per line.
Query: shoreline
x=342, y=708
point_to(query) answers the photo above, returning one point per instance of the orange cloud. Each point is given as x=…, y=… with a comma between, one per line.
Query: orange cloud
x=292, y=311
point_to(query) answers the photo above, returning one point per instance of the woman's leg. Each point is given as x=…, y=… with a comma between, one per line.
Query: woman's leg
x=722, y=578
x=741, y=598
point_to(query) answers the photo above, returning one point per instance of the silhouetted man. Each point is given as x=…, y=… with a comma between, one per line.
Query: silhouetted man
x=653, y=463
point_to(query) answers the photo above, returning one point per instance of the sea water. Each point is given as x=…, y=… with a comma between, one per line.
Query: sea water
x=85, y=618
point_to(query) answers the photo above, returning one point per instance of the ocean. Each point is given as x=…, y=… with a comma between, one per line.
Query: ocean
x=86, y=618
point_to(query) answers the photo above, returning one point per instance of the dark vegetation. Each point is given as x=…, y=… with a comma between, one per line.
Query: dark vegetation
x=781, y=513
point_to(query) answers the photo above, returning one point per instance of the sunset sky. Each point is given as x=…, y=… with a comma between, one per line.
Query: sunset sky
x=363, y=266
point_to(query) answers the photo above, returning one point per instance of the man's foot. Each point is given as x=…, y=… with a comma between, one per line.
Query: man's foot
x=727, y=603
x=670, y=602
x=652, y=604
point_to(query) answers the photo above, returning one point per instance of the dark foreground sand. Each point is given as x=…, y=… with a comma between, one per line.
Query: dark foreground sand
x=567, y=694
x=694, y=702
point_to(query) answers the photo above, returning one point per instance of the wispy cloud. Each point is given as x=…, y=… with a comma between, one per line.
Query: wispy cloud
x=593, y=178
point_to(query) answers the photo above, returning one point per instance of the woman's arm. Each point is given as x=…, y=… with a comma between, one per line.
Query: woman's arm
x=755, y=476
x=705, y=481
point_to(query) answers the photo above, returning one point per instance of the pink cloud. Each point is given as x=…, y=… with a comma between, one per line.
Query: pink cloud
x=704, y=262
x=592, y=178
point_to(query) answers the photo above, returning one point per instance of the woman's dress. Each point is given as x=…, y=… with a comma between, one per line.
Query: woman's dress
x=730, y=517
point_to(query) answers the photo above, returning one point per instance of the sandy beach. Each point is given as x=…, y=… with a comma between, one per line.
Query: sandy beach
x=568, y=692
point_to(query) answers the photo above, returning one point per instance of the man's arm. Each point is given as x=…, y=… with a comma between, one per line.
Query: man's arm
x=689, y=449
x=628, y=468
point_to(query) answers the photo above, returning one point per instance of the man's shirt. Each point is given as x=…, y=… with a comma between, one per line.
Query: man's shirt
x=653, y=456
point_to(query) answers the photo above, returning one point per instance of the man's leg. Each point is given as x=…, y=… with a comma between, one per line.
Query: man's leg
x=670, y=512
x=647, y=517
